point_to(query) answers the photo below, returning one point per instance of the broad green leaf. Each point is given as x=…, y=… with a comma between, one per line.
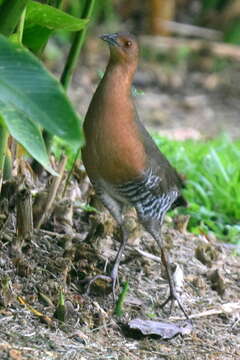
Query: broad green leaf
x=52, y=18
x=26, y=132
x=26, y=84
x=42, y=20
x=10, y=14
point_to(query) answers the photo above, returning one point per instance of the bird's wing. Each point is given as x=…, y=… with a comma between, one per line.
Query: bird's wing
x=164, y=177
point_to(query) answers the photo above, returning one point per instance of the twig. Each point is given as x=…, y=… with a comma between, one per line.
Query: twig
x=227, y=308
x=144, y=253
x=52, y=233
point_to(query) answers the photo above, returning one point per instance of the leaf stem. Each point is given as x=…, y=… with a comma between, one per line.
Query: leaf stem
x=78, y=41
x=21, y=26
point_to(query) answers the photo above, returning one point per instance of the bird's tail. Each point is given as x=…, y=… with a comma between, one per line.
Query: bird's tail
x=180, y=201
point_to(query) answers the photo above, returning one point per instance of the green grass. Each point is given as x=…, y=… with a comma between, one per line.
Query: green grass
x=212, y=169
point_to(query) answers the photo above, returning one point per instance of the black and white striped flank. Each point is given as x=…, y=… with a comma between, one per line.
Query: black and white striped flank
x=140, y=194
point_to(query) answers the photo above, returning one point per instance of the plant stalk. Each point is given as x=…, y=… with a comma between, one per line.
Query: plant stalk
x=78, y=41
x=21, y=26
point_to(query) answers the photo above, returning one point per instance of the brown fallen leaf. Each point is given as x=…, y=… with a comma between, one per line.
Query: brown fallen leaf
x=163, y=329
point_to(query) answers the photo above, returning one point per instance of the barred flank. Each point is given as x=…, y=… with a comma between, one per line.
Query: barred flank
x=139, y=194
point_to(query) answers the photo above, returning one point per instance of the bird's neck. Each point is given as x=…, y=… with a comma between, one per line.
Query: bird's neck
x=119, y=76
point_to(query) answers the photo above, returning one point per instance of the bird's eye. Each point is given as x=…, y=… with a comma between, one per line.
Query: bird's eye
x=128, y=43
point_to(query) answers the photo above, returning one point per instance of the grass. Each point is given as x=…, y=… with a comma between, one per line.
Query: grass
x=213, y=183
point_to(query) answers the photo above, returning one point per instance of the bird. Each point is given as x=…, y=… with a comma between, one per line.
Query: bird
x=121, y=159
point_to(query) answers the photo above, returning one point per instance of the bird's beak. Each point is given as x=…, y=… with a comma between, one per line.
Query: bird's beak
x=110, y=39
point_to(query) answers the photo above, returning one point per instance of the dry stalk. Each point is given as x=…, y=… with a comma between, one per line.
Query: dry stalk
x=24, y=214
x=52, y=192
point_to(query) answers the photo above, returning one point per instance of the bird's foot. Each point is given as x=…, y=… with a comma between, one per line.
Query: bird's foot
x=172, y=298
x=95, y=278
x=112, y=278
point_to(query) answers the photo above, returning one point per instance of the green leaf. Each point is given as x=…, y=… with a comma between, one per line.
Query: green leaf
x=52, y=18
x=26, y=84
x=10, y=14
x=27, y=133
x=35, y=37
x=42, y=20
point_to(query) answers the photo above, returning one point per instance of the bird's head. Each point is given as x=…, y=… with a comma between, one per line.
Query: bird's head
x=123, y=47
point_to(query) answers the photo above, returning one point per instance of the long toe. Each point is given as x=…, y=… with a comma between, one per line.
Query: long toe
x=114, y=277
x=92, y=280
x=172, y=298
x=169, y=299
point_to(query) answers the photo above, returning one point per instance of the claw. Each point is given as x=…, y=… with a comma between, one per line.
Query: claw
x=174, y=297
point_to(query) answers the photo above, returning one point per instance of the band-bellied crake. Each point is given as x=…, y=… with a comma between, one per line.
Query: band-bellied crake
x=121, y=159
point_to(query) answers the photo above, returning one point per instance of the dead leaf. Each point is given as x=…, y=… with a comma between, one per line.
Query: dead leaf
x=46, y=319
x=178, y=277
x=163, y=329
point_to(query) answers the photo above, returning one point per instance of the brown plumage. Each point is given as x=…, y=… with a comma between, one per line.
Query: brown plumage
x=121, y=159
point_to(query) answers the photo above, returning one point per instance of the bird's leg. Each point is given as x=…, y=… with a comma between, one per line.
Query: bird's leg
x=115, y=210
x=151, y=227
x=114, y=272
x=173, y=294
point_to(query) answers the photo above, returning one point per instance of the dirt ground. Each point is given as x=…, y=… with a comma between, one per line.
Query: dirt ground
x=74, y=244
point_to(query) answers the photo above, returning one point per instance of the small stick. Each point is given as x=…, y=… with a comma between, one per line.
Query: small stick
x=52, y=233
x=221, y=309
x=144, y=253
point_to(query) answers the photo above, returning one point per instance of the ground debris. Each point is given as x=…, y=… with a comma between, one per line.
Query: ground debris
x=165, y=330
x=62, y=253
